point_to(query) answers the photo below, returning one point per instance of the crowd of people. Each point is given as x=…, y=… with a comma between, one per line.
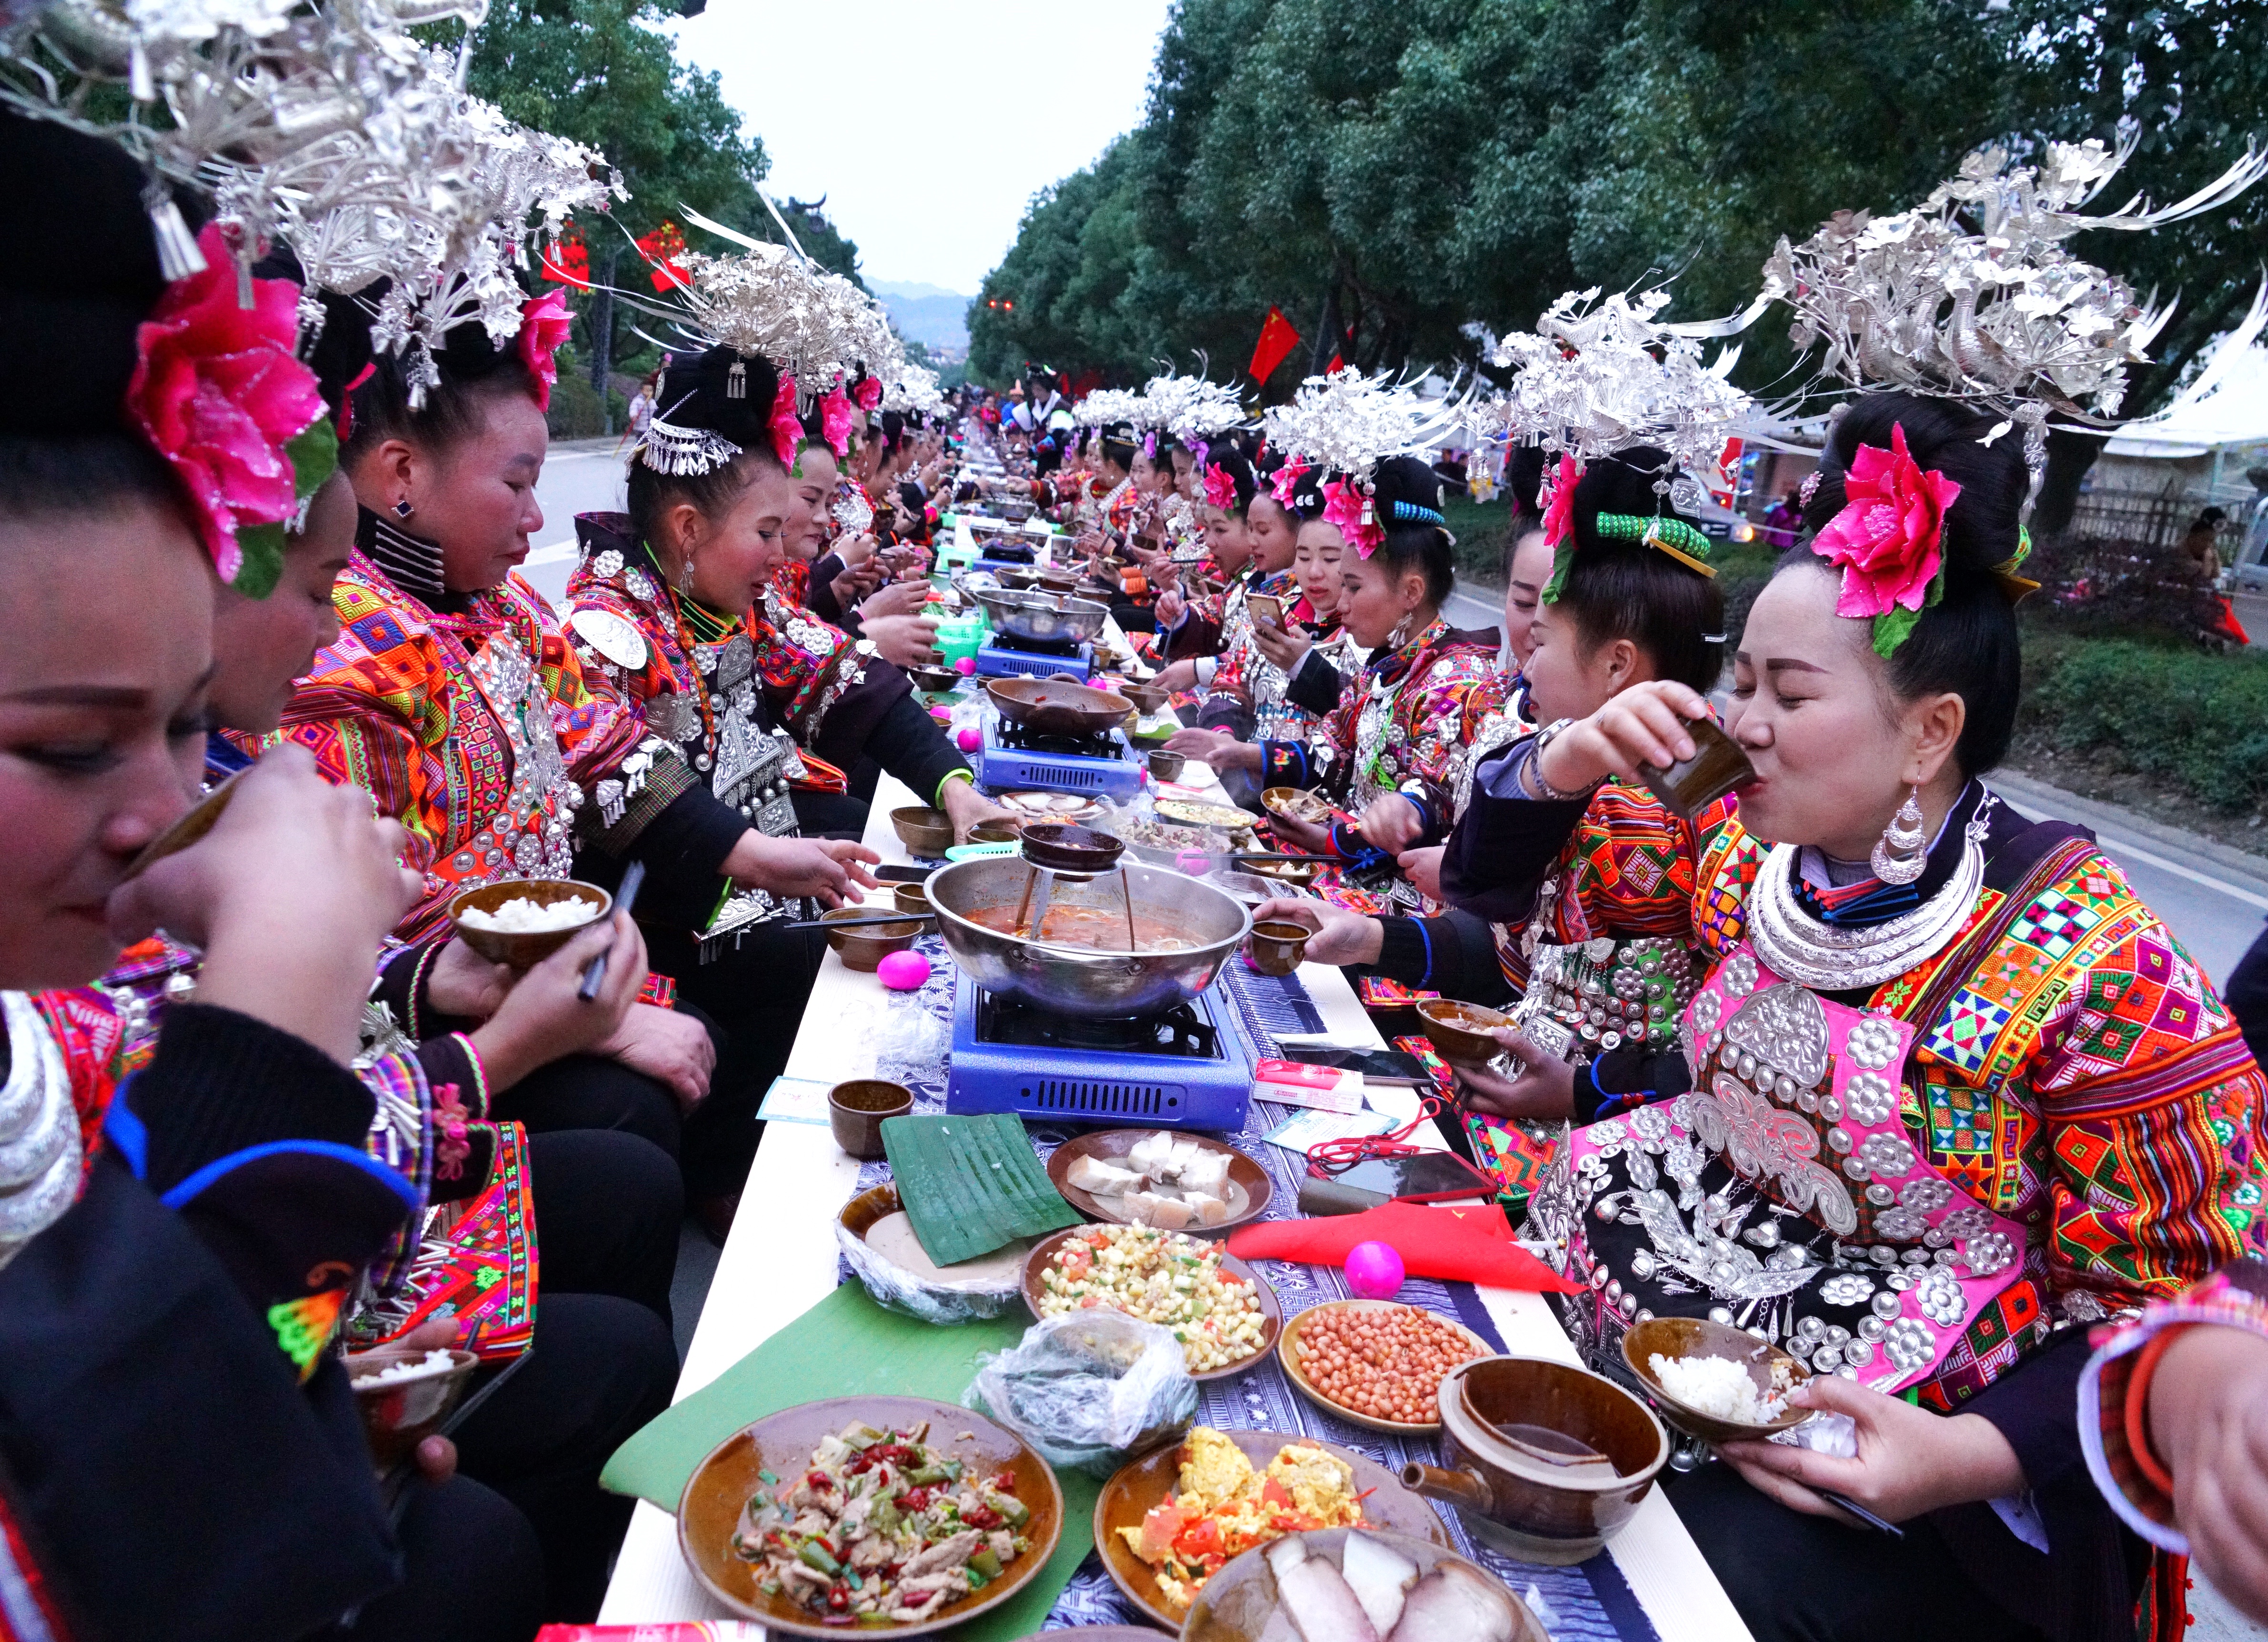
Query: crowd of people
x=1848, y=1054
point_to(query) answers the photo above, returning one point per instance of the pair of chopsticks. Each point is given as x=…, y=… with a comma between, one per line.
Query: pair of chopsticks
x=858, y=924
x=594, y=973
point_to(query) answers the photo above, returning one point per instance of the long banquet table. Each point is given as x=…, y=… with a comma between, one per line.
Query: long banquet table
x=781, y=1259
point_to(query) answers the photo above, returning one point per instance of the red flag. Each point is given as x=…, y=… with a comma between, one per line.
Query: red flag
x=1277, y=340
x=1338, y=362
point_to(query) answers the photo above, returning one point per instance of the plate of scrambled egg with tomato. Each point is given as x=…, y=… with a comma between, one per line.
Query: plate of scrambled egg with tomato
x=1170, y=1520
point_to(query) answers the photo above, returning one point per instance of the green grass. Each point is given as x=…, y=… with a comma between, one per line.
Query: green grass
x=2179, y=718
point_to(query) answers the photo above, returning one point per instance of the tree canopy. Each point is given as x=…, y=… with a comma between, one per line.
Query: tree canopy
x=1389, y=172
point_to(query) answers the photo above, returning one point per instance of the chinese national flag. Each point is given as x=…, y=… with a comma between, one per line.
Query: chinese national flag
x=1277, y=340
x=1338, y=362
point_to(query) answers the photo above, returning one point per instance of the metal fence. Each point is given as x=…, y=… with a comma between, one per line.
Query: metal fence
x=2144, y=523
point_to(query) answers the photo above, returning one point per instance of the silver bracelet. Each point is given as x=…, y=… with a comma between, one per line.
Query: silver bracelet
x=1534, y=773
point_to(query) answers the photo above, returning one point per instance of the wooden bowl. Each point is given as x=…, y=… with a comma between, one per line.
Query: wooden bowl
x=1247, y=1180
x=997, y=831
x=782, y=1443
x=864, y=949
x=1148, y=699
x=1168, y=766
x=1240, y=1603
x=1271, y=1309
x=1147, y=1483
x=524, y=952
x=912, y=898
x=1287, y=1354
x=1459, y=1031
x=1698, y=1336
x=924, y=832
x=1545, y=1461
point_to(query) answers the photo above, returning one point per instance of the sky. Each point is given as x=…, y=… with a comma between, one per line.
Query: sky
x=866, y=104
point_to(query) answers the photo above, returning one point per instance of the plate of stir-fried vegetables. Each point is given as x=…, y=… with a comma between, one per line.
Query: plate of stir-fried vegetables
x=886, y=1513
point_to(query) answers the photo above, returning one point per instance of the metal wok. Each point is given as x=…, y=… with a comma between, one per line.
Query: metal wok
x=1079, y=980
x=1042, y=617
x=1057, y=706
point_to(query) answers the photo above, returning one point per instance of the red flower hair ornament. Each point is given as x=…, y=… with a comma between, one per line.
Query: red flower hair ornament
x=1888, y=538
x=544, y=324
x=869, y=393
x=836, y=417
x=1343, y=505
x=1559, y=524
x=786, y=426
x=219, y=392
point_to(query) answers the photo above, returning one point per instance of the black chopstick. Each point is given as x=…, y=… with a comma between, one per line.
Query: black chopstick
x=594, y=973
x=856, y=924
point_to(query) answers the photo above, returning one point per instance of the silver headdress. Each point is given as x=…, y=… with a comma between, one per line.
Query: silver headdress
x=1192, y=410
x=668, y=448
x=1347, y=423
x=1972, y=296
x=915, y=391
x=1598, y=376
x=1107, y=406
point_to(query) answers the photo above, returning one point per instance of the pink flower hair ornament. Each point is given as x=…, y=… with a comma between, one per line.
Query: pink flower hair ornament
x=868, y=393
x=544, y=324
x=836, y=417
x=1889, y=539
x=221, y=397
x=1219, y=487
x=1343, y=505
x=1559, y=523
x=786, y=426
x=1285, y=485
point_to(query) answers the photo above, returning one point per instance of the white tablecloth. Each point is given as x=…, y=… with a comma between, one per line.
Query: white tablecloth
x=781, y=1260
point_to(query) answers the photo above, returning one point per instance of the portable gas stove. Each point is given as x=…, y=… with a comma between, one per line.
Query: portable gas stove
x=1014, y=759
x=996, y=659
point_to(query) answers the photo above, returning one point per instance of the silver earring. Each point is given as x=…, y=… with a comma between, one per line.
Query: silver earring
x=685, y=572
x=1899, y=855
x=402, y=509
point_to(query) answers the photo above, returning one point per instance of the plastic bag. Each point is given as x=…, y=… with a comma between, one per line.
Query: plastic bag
x=1090, y=1389
x=894, y=1288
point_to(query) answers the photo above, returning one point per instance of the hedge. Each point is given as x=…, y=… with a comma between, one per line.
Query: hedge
x=2195, y=721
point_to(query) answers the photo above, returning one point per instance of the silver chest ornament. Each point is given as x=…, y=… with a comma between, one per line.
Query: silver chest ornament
x=532, y=836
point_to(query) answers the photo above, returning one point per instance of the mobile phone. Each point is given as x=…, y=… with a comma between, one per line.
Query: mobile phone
x=1265, y=608
x=1376, y=1065
x=891, y=872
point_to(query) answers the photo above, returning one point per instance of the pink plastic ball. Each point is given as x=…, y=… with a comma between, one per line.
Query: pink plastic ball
x=1373, y=1270
x=905, y=971
x=970, y=740
x=965, y=665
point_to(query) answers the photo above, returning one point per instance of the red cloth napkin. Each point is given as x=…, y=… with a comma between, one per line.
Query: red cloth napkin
x=1466, y=1244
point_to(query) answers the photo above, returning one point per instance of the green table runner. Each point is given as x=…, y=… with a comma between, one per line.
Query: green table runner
x=846, y=1345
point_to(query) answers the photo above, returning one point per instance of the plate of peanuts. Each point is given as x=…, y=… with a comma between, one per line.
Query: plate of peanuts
x=1376, y=1363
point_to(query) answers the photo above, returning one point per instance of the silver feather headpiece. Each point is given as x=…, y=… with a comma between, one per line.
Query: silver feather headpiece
x=1192, y=410
x=1973, y=296
x=916, y=391
x=1347, y=423
x=1107, y=406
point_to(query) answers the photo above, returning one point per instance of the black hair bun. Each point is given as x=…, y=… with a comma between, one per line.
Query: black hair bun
x=1523, y=479
x=1622, y=484
x=1405, y=491
x=702, y=391
x=81, y=275
x=1984, y=527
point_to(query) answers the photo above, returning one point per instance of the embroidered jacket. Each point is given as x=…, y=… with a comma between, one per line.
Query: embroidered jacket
x=1279, y=712
x=1414, y=715
x=469, y=718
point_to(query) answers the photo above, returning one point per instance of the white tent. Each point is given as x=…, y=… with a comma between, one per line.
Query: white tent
x=2234, y=412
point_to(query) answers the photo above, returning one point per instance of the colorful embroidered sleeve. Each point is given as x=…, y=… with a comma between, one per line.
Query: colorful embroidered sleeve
x=1630, y=867
x=1441, y=715
x=2150, y=1103
x=2114, y=1392
x=1725, y=863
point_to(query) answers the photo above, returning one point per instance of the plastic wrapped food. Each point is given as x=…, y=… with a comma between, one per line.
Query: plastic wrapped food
x=1090, y=1389
x=900, y=1278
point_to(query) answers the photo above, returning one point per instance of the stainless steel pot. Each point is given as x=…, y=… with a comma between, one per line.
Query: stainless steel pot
x=1045, y=616
x=1075, y=980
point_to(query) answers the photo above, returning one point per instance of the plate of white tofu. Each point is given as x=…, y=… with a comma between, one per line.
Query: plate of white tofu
x=1177, y=1182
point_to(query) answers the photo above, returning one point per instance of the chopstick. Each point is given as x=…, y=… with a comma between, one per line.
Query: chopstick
x=1245, y=855
x=856, y=924
x=594, y=973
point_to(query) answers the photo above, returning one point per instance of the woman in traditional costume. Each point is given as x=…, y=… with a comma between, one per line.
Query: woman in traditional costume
x=670, y=607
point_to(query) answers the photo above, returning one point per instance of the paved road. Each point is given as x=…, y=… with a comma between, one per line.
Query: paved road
x=582, y=477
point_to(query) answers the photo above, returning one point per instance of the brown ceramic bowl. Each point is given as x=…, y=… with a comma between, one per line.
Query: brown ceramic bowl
x=525, y=952
x=912, y=898
x=1287, y=1355
x=1459, y=1031
x=996, y=831
x=1547, y=1461
x=717, y=1492
x=1698, y=1336
x=864, y=949
x=1297, y=803
x=1168, y=766
x=1271, y=1309
x=1248, y=1185
x=1718, y=765
x=1147, y=1483
x=924, y=832
x=1057, y=581
x=1277, y=946
x=396, y=1417
x=1298, y=874
x=1240, y=1603
x=1147, y=698
x=855, y=1111
x=937, y=681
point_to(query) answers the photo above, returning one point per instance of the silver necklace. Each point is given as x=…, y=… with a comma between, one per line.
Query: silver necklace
x=1795, y=944
x=39, y=1130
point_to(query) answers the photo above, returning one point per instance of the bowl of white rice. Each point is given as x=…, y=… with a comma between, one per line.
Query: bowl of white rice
x=522, y=921
x=405, y=1395
x=1712, y=1381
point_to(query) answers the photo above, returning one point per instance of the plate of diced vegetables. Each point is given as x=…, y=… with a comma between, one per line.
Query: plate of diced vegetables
x=889, y=1513
x=1222, y=1311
